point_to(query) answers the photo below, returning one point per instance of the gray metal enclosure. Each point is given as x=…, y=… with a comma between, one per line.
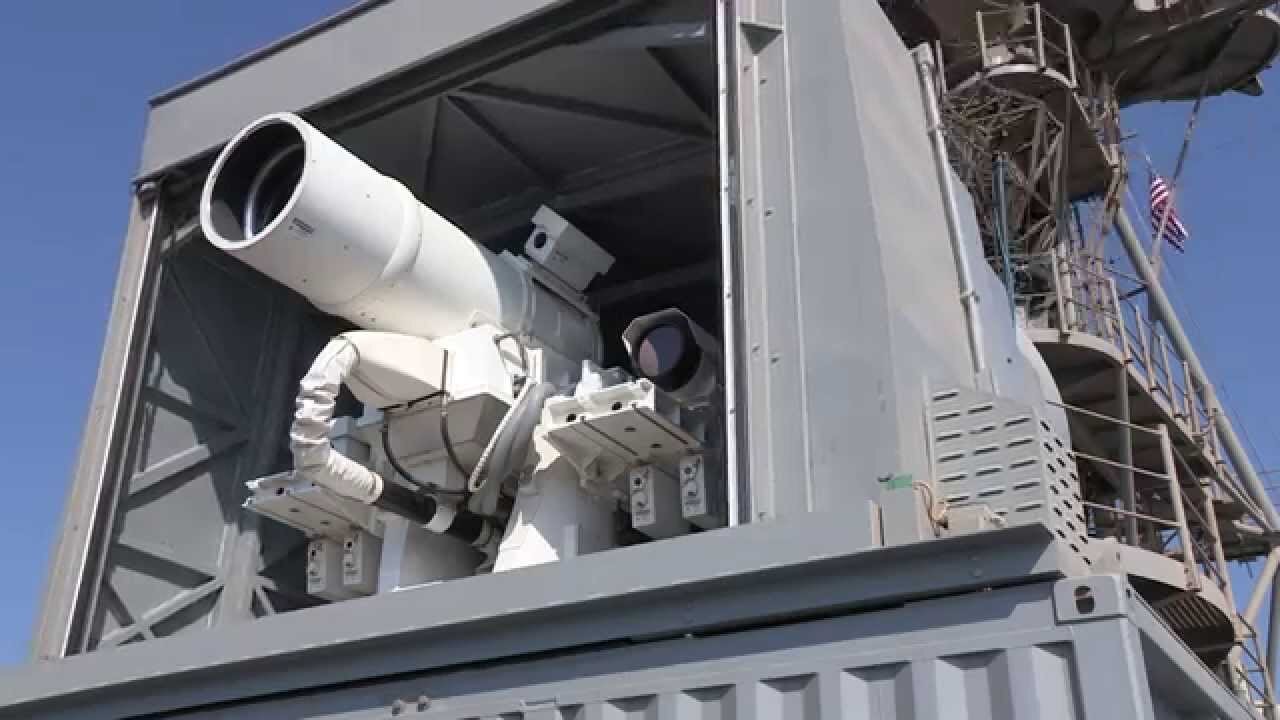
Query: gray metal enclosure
x=766, y=165
x=201, y=391
x=778, y=620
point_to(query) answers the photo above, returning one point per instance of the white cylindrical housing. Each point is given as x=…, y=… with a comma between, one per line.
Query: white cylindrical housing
x=292, y=203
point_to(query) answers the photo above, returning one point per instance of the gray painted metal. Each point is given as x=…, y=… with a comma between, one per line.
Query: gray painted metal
x=1003, y=457
x=753, y=574
x=847, y=292
x=201, y=431
x=848, y=288
x=171, y=549
x=896, y=274
x=1074, y=648
x=335, y=58
x=73, y=549
x=192, y=391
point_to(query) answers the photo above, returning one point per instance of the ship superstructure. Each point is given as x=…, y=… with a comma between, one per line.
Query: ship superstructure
x=664, y=359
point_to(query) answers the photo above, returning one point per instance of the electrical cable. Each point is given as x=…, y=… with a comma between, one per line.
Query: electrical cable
x=444, y=420
x=448, y=442
x=445, y=437
x=935, y=509
x=1192, y=120
x=524, y=357
x=443, y=394
x=402, y=471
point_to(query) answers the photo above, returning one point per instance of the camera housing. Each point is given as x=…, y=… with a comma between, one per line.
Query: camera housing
x=676, y=354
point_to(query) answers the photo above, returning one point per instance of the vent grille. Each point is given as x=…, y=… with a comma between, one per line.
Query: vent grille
x=990, y=451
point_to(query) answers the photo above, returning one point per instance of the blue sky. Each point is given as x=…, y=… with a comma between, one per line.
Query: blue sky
x=1225, y=283
x=77, y=76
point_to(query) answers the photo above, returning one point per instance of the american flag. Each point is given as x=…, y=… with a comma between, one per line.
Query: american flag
x=1161, y=202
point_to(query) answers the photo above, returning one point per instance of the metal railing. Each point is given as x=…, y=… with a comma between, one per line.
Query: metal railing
x=1083, y=295
x=1172, y=529
x=1004, y=37
x=1253, y=676
x=1094, y=299
x=1176, y=513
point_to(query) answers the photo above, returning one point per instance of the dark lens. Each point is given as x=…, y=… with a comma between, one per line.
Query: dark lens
x=660, y=351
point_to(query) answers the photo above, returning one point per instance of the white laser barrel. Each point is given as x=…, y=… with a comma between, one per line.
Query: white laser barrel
x=292, y=203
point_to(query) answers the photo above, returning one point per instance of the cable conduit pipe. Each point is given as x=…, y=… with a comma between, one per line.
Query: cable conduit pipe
x=968, y=293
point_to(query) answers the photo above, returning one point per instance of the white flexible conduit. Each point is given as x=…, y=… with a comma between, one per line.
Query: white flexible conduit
x=313, y=455
x=509, y=447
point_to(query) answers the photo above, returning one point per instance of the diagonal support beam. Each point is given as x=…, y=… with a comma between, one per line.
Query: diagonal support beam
x=181, y=236
x=196, y=407
x=184, y=462
x=583, y=108
x=156, y=560
x=630, y=177
x=682, y=82
x=499, y=138
x=207, y=346
x=160, y=613
x=665, y=35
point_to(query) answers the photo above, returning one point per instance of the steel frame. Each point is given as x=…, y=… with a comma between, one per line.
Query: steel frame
x=417, y=656
x=170, y=228
x=753, y=574
x=980, y=122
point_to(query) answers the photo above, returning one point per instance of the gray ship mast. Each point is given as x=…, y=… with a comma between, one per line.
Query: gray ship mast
x=1031, y=95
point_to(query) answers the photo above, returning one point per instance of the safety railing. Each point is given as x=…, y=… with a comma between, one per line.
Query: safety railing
x=1252, y=676
x=1086, y=296
x=1173, y=513
x=1029, y=33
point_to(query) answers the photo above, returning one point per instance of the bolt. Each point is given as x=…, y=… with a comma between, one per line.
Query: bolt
x=424, y=702
x=397, y=707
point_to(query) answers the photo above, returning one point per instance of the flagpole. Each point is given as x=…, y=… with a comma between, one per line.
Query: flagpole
x=1158, y=241
x=1192, y=121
